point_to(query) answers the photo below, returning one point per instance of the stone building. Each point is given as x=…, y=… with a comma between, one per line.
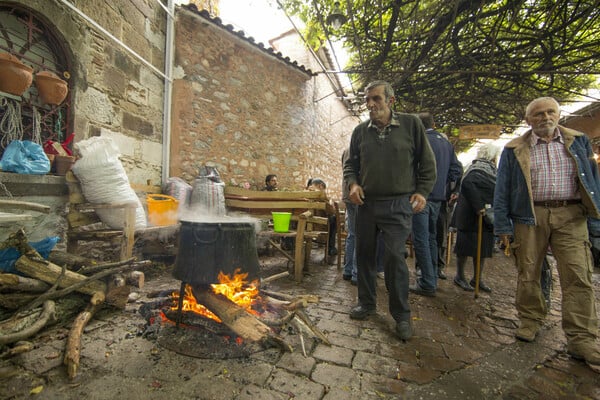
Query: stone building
x=176, y=90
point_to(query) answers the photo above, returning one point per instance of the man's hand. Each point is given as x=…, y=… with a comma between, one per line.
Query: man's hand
x=356, y=194
x=418, y=202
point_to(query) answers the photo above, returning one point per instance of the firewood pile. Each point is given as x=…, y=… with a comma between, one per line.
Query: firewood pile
x=31, y=299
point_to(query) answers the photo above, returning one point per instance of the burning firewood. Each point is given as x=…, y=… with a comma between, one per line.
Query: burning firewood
x=235, y=317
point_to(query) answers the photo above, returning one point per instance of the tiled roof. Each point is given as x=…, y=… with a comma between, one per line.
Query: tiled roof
x=218, y=22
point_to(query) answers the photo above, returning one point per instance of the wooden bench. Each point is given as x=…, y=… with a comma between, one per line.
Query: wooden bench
x=85, y=225
x=302, y=204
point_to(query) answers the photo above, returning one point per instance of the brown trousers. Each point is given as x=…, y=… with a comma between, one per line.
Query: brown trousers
x=565, y=230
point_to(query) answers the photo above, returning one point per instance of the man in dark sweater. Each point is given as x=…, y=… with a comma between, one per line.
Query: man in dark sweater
x=425, y=222
x=390, y=172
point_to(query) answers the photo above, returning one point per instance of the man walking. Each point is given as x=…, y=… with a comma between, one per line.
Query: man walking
x=547, y=192
x=390, y=171
x=425, y=222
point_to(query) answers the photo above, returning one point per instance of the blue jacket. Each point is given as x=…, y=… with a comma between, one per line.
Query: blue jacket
x=448, y=168
x=513, y=199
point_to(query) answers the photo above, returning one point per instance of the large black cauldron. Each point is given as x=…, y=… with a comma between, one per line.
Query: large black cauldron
x=207, y=248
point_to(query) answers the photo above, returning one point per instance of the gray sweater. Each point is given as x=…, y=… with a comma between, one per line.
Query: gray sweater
x=397, y=161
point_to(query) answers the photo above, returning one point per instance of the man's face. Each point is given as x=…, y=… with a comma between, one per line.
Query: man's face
x=543, y=117
x=379, y=107
x=273, y=182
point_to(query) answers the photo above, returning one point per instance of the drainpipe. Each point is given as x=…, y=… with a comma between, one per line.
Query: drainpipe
x=167, y=100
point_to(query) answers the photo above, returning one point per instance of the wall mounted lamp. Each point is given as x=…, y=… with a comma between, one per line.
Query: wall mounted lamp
x=336, y=19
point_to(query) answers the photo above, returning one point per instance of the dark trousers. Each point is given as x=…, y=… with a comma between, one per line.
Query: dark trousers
x=393, y=220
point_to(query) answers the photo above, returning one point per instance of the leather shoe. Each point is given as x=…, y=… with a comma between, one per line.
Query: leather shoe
x=482, y=286
x=404, y=330
x=360, y=312
x=527, y=332
x=416, y=289
x=463, y=284
x=442, y=275
x=346, y=277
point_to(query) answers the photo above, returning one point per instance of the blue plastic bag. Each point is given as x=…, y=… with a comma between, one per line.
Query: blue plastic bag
x=25, y=157
x=8, y=257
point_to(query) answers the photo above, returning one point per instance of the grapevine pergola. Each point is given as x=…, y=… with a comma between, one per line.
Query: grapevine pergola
x=466, y=61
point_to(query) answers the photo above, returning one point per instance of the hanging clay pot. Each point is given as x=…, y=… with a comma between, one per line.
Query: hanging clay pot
x=15, y=77
x=51, y=88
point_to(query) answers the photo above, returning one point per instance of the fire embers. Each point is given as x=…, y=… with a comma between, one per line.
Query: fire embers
x=230, y=319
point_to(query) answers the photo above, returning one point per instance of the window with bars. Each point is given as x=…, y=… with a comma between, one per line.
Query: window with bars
x=26, y=117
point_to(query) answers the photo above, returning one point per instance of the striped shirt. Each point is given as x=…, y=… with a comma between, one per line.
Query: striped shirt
x=553, y=171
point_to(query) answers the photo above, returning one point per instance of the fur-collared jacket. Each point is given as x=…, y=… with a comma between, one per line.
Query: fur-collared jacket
x=513, y=196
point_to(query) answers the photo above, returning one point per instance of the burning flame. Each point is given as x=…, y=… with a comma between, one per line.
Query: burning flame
x=236, y=288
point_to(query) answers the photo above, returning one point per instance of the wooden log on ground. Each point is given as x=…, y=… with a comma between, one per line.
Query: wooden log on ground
x=46, y=315
x=13, y=282
x=73, y=347
x=14, y=301
x=49, y=272
x=235, y=317
x=72, y=261
x=136, y=279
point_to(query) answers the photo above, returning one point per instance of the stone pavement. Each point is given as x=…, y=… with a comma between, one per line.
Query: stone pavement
x=463, y=348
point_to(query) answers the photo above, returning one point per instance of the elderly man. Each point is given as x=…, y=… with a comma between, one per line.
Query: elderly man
x=547, y=192
x=390, y=171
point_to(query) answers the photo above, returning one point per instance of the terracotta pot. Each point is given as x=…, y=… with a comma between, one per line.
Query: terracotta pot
x=15, y=77
x=62, y=164
x=51, y=88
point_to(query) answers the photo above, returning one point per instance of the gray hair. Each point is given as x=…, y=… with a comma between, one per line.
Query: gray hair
x=388, y=90
x=552, y=99
x=488, y=151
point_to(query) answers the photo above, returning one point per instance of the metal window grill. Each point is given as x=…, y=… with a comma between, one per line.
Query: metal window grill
x=32, y=41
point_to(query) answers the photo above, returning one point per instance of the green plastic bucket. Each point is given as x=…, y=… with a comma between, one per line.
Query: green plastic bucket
x=281, y=221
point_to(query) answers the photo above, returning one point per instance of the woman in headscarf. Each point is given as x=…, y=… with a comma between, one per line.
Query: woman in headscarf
x=476, y=194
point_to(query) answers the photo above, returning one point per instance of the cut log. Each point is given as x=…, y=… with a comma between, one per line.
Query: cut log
x=13, y=282
x=73, y=347
x=14, y=301
x=235, y=317
x=136, y=279
x=49, y=272
x=47, y=314
x=72, y=261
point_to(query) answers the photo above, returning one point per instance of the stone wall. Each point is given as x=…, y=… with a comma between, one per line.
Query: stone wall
x=248, y=113
x=113, y=92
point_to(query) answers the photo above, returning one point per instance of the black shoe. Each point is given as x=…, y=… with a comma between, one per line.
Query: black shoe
x=416, y=289
x=360, y=312
x=482, y=286
x=346, y=277
x=353, y=282
x=404, y=330
x=442, y=275
x=463, y=284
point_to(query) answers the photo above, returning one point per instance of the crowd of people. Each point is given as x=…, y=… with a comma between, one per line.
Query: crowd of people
x=539, y=195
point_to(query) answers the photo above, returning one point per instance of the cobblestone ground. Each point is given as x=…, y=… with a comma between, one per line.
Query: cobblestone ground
x=463, y=348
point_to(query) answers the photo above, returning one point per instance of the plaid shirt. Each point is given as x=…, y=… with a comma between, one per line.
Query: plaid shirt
x=553, y=171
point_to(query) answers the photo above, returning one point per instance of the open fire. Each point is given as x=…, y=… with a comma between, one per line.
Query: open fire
x=235, y=287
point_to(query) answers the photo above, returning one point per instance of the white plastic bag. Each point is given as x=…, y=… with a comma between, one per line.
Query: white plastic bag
x=103, y=180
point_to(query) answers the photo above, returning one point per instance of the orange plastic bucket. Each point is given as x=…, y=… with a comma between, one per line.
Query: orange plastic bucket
x=162, y=209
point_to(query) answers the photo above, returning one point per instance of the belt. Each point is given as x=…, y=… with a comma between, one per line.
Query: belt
x=556, y=203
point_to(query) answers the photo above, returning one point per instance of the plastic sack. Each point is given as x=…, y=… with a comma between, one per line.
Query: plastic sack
x=179, y=189
x=8, y=257
x=104, y=180
x=208, y=192
x=25, y=157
